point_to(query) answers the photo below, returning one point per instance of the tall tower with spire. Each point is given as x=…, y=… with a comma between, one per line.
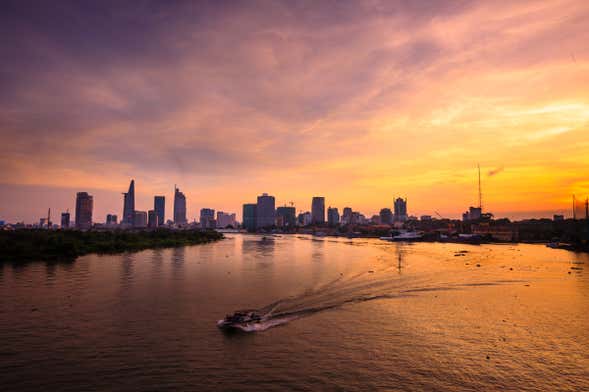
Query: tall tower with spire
x=179, y=206
x=129, y=204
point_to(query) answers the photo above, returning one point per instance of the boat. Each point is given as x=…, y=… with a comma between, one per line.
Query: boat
x=240, y=320
x=407, y=236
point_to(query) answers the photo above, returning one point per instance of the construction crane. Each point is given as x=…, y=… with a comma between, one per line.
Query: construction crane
x=450, y=225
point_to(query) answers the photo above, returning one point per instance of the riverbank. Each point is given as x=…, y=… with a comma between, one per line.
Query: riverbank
x=21, y=246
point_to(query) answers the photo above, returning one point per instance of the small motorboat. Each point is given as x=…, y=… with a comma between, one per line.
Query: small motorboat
x=240, y=320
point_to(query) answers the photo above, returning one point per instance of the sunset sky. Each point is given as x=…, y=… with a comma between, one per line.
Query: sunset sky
x=355, y=101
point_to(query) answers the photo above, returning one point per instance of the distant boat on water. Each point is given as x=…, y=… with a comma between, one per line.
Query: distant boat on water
x=408, y=236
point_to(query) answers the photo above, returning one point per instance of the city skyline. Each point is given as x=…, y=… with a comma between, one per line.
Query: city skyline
x=191, y=215
x=228, y=102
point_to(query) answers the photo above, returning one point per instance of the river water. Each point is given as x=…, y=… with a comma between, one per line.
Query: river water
x=357, y=314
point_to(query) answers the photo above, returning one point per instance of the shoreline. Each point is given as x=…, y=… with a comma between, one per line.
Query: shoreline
x=26, y=246
x=557, y=245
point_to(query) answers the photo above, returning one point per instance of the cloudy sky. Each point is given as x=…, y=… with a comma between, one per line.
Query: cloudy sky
x=355, y=101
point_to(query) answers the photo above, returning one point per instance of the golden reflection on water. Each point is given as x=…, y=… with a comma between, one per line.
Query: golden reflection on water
x=363, y=314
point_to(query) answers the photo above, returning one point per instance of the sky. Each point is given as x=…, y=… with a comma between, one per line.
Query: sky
x=357, y=101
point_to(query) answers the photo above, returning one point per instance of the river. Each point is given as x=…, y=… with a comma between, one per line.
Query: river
x=355, y=315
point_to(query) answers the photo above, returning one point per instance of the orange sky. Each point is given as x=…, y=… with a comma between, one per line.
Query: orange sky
x=358, y=102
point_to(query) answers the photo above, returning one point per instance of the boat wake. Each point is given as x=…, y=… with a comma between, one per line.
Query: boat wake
x=352, y=290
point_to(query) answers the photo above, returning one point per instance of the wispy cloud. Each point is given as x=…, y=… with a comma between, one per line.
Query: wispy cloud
x=357, y=101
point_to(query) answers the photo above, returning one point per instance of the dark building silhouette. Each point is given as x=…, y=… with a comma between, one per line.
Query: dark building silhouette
x=225, y=219
x=140, y=219
x=249, y=216
x=129, y=204
x=386, y=216
x=207, y=218
x=400, y=210
x=318, y=210
x=159, y=206
x=84, y=206
x=152, y=219
x=111, y=219
x=65, y=220
x=347, y=216
x=179, y=207
x=265, y=211
x=288, y=215
x=332, y=216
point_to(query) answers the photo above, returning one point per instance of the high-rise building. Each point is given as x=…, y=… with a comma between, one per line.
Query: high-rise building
x=207, y=218
x=288, y=216
x=474, y=213
x=347, y=216
x=225, y=220
x=318, y=210
x=140, y=219
x=400, y=210
x=249, y=216
x=65, y=220
x=152, y=219
x=304, y=218
x=111, y=219
x=179, y=207
x=84, y=206
x=332, y=216
x=265, y=211
x=159, y=206
x=129, y=204
x=386, y=216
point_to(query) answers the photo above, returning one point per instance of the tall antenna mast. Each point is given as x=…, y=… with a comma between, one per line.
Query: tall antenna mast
x=480, y=192
x=574, y=212
x=587, y=208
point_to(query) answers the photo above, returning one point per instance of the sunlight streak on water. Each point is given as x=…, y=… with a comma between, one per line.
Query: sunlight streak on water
x=351, y=314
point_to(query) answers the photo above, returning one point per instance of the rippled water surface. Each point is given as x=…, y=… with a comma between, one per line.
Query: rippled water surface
x=346, y=315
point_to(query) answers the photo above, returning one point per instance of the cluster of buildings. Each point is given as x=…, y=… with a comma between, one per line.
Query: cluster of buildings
x=261, y=215
x=131, y=218
x=264, y=215
x=134, y=218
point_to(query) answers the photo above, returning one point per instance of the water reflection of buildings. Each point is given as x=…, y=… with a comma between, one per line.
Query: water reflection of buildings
x=127, y=271
x=400, y=253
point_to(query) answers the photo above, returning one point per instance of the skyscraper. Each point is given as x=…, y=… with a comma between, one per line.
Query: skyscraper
x=111, y=219
x=304, y=218
x=288, y=215
x=207, y=218
x=65, y=220
x=347, y=216
x=332, y=216
x=152, y=219
x=318, y=210
x=179, y=207
x=400, y=210
x=225, y=219
x=249, y=216
x=140, y=219
x=386, y=216
x=159, y=206
x=265, y=211
x=84, y=206
x=129, y=204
